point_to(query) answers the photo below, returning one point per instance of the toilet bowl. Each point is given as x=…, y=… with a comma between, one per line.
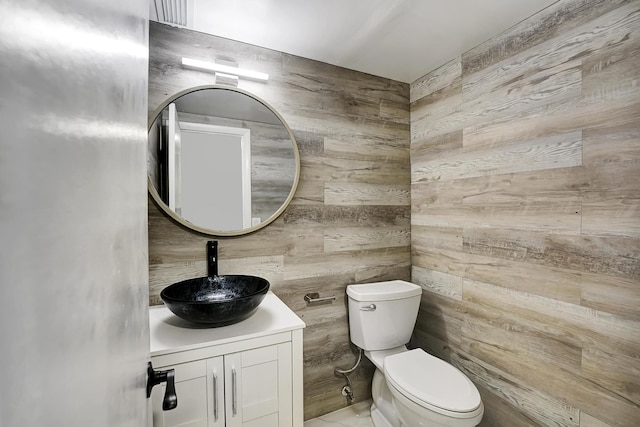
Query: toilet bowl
x=427, y=391
x=410, y=388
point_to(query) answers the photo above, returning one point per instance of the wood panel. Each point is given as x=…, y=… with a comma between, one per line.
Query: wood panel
x=556, y=20
x=539, y=408
x=445, y=284
x=525, y=195
x=349, y=221
x=348, y=193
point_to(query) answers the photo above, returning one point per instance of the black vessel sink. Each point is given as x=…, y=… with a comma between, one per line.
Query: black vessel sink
x=217, y=300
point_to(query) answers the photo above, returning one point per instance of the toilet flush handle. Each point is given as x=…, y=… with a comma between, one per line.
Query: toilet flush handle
x=370, y=307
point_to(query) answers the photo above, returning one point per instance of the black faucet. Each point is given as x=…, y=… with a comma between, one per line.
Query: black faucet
x=212, y=258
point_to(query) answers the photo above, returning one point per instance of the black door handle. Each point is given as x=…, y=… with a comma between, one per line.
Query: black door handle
x=170, y=400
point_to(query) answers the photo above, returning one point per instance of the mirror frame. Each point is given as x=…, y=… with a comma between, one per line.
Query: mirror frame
x=218, y=233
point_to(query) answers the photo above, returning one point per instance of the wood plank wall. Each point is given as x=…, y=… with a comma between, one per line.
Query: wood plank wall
x=350, y=219
x=525, y=220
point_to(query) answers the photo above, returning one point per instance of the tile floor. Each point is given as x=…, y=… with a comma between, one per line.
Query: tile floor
x=352, y=416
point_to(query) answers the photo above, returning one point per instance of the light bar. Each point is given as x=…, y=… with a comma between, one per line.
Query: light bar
x=212, y=66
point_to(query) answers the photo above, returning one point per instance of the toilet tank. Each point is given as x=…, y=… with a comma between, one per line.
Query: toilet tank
x=382, y=315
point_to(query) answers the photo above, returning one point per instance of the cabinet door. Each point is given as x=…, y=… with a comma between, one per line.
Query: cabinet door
x=191, y=389
x=215, y=391
x=258, y=387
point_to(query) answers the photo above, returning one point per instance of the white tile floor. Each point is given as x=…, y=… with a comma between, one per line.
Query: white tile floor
x=352, y=416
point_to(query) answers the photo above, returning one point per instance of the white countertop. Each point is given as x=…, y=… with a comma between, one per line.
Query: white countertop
x=171, y=334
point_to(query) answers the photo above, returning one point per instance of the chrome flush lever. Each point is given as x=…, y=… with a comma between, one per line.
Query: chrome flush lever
x=370, y=307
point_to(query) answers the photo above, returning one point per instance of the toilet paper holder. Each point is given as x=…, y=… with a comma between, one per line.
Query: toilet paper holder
x=314, y=297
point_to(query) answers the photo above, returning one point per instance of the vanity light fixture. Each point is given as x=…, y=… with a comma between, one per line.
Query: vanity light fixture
x=226, y=69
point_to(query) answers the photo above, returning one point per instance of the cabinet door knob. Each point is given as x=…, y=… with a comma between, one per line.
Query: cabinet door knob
x=170, y=400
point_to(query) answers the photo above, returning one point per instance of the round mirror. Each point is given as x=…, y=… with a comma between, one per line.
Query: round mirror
x=221, y=161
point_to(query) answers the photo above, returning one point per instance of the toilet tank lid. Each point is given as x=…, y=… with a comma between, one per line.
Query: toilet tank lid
x=383, y=291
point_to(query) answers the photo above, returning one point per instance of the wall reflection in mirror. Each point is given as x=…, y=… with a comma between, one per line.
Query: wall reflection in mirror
x=221, y=161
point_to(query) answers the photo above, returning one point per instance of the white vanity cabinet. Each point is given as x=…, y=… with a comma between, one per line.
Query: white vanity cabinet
x=243, y=375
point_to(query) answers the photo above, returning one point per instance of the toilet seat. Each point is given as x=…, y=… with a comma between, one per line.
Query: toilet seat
x=432, y=383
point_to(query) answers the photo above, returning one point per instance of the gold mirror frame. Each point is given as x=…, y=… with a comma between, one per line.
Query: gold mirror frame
x=218, y=233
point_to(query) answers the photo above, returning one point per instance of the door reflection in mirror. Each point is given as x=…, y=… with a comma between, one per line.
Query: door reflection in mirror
x=216, y=176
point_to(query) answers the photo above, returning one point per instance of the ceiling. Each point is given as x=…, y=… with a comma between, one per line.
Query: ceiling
x=398, y=39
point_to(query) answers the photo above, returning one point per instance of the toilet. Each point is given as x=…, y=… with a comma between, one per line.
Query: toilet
x=410, y=388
